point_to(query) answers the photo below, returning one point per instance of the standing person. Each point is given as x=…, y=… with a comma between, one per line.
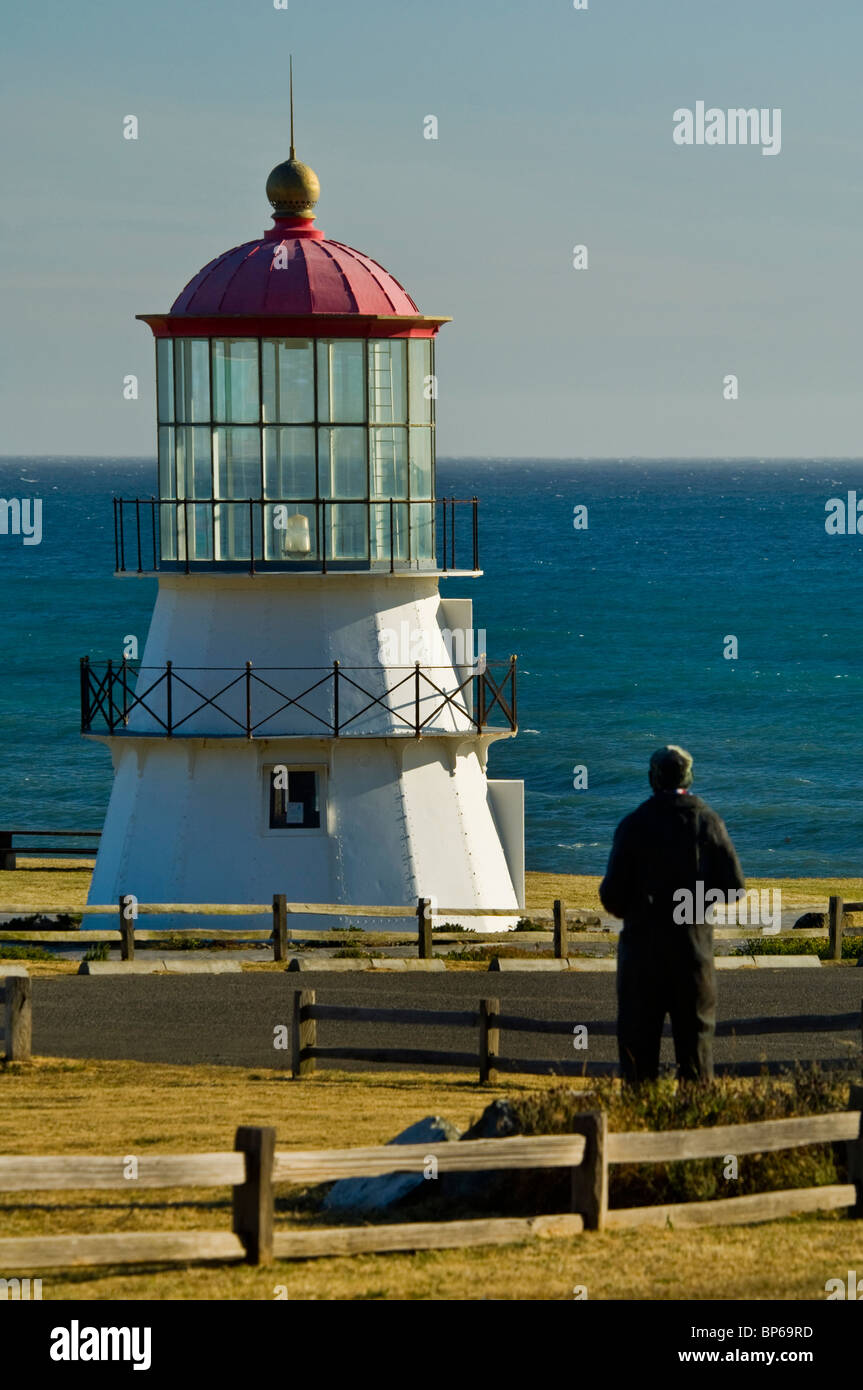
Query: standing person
x=672, y=842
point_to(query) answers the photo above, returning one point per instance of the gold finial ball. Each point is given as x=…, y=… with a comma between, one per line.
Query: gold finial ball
x=293, y=189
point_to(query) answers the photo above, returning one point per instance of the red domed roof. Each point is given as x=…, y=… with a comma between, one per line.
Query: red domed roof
x=293, y=270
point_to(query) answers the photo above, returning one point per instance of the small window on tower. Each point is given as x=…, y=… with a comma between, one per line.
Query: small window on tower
x=294, y=798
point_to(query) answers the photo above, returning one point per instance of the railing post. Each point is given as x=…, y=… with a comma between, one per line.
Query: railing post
x=417, y=699
x=304, y=1034
x=854, y=1149
x=480, y=701
x=452, y=532
x=253, y=1200
x=127, y=931
x=335, y=699
x=153, y=529
x=424, y=928
x=116, y=541
x=7, y=853
x=560, y=941
x=489, y=1040
x=443, y=504
x=169, y=710
x=392, y=542
x=125, y=678
x=476, y=533
x=186, y=530
x=248, y=699
x=122, y=537
x=835, y=915
x=512, y=669
x=85, y=695
x=19, y=1017
x=109, y=688
x=323, y=535
x=280, y=927
x=138, y=533
x=590, y=1178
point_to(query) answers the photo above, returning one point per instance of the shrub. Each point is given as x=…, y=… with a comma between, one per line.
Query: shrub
x=25, y=953
x=98, y=951
x=852, y=947
x=664, y=1105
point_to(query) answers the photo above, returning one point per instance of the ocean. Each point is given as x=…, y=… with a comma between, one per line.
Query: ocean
x=621, y=631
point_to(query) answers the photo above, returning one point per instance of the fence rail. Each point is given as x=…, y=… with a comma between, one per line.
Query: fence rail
x=491, y=1023
x=126, y=934
x=255, y=1168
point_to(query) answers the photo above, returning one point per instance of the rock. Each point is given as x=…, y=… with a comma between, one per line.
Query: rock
x=377, y=1194
x=497, y=1121
x=584, y=919
x=820, y=919
x=811, y=920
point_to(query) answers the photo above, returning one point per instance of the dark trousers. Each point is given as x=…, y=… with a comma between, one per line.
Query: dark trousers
x=666, y=971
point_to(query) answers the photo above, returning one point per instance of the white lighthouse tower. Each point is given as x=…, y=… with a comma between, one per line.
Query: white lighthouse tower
x=309, y=716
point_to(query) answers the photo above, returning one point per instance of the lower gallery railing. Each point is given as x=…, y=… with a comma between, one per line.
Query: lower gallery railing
x=332, y=701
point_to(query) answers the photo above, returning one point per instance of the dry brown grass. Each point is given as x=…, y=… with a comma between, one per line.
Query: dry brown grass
x=130, y=1107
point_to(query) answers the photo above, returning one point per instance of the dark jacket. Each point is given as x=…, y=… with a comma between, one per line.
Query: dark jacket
x=670, y=842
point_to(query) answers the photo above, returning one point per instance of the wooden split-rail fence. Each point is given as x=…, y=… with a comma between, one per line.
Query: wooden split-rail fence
x=255, y=1168
x=492, y=1021
x=127, y=933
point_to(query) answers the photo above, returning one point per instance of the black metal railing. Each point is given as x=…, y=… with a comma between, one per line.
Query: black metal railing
x=117, y=697
x=190, y=534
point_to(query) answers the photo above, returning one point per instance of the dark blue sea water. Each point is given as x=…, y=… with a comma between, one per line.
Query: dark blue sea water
x=619, y=631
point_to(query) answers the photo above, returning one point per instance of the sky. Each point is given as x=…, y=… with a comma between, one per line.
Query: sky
x=555, y=129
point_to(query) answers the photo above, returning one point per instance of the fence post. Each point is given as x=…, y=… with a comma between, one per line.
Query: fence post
x=424, y=928
x=561, y=944
x=253, y=1200
x=836, y=913
x=280, y=927
x=489, y=1040
x=590, y=1179
x=304, y=1034
x=854, y=1149
x=127, y=931
x=18, y=990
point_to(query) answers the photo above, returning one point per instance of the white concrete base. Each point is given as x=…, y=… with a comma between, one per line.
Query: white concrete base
x=610, y=965
x=12, y=970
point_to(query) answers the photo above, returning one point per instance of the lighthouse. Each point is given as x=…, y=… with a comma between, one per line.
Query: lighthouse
x=309, y=715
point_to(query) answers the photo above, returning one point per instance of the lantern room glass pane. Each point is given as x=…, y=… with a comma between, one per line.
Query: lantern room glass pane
x=234, y=526
x=235, y=380
x=165, y=380
x=341, y=381
x=191, y=379
x=422, y=531
x=237, y=462
x=342, y=465
x=167, y=463
x=288, y=377
x=421, y=462
x=381, y=531
x=389, y=462
x=194, y=465
x=420, y=370
x=388, y=381
x=289, y=462
x=347, y=531
x=168, y=531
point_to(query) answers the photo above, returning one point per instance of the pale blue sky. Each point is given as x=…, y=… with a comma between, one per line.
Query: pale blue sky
x=555, y=128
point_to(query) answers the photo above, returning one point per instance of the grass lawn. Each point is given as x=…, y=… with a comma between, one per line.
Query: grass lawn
x=130, y=1107
x=48, y=884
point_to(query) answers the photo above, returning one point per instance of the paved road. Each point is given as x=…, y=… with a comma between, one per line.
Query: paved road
x=230, y=1019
